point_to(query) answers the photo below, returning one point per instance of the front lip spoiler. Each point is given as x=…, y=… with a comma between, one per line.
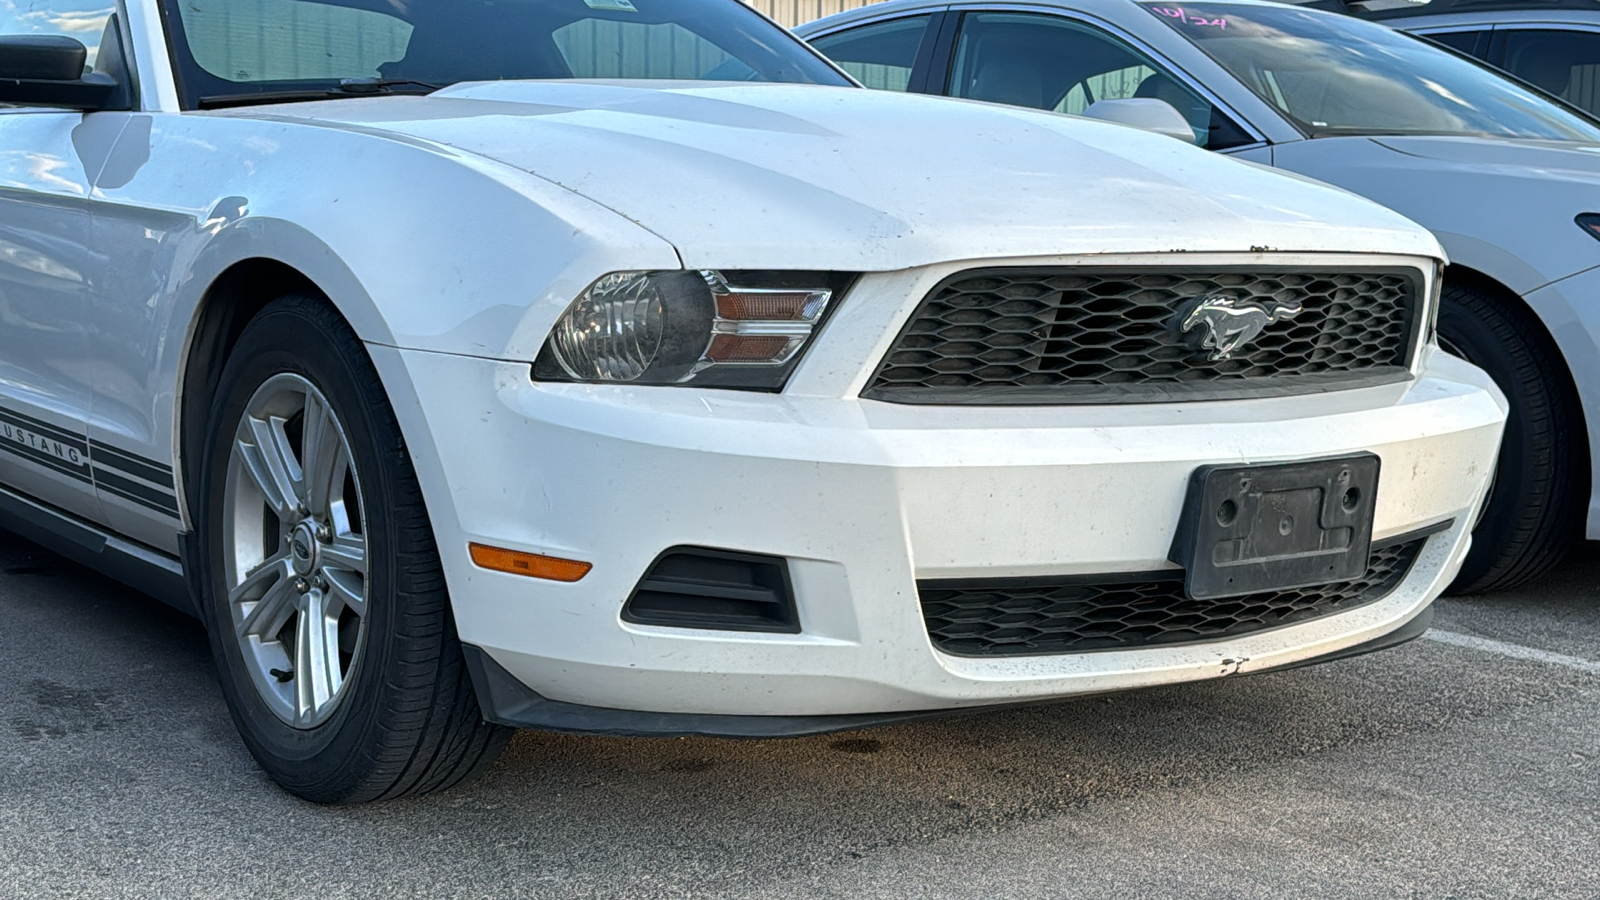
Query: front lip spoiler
x=507, y=701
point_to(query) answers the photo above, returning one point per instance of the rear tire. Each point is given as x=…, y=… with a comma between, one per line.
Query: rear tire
x=347, y=584
x=1536, y=505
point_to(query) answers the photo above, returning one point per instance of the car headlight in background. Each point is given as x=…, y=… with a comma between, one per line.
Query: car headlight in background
x=716, y=329
x=1435, y=298
x=1589, y=222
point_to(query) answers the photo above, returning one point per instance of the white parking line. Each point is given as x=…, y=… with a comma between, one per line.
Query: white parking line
x=1514, y=651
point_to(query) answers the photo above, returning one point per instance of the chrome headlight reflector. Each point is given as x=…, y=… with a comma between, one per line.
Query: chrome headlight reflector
x=613, y=332
x=737, y=329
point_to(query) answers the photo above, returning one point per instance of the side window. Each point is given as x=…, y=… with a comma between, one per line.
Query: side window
x=1564, y=63
x=1468, y=42
x=1117, y=84
x=290, y=40
x=880, y=55
x=82, y=20
x=1049, y=62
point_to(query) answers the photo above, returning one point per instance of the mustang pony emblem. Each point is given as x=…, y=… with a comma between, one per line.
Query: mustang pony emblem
x=1225, y=323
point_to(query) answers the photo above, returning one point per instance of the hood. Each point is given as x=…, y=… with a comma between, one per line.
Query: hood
x=1566, y=160
x=1504, y=208
x=786, y=176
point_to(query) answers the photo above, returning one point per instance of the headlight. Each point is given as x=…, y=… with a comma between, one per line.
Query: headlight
x=1589, y=222
x=736, y=329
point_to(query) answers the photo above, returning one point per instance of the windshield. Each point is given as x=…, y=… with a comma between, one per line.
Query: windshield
x=1333, y=74
x=227, y=48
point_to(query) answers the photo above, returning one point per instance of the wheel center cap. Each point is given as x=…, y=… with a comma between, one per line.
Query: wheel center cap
x=303, y=548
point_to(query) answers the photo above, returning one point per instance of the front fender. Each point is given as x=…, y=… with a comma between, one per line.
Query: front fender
x=240, y=238
x=419, y=246
x=1496, y=220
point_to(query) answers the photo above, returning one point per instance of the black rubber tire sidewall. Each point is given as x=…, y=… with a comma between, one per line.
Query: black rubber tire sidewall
x=326, y=763
x=1535, y=511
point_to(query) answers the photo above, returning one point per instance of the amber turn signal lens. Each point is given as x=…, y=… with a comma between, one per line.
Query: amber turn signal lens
x=770, y=306
x=744, y=348
x=533, y=565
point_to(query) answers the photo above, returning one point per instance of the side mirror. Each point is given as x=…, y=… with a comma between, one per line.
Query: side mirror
x=1146, y=113
x=47, y=70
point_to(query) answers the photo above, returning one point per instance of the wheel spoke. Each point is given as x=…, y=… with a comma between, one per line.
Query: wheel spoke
x=276, y=604
x=348, y=551
x=265, y=452
x=346, y=590
x=317, y=674
x=324, y=456
x=260, y=578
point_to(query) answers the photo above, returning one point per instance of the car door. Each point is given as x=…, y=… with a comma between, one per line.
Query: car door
x=1059, y=62
x=130, y=331
x=48, y=269
x=1559, y=59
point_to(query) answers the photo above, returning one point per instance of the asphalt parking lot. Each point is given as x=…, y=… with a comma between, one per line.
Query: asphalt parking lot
x=1467, y=768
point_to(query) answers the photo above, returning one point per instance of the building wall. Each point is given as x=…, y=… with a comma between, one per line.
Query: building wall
x=797, y=12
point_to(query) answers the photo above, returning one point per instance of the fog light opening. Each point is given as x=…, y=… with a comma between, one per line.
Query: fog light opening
x=698, y=587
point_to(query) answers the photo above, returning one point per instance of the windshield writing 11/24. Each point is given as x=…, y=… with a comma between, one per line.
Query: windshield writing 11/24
x=1182, y=15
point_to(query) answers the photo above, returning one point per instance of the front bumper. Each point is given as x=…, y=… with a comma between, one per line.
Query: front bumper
x=507, y=701
x=864, y=499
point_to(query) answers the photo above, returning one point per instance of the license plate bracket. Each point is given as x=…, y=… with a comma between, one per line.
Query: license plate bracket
x=1248, y=529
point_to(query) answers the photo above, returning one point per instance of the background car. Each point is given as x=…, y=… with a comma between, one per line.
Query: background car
x=609, y=366
x=1506, y=178
x=1551, y=44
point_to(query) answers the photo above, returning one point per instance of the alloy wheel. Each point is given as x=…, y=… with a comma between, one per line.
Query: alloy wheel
x=295, y=551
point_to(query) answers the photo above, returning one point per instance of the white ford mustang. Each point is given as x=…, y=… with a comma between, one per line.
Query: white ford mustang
x=620, y=366
x=1508, y=180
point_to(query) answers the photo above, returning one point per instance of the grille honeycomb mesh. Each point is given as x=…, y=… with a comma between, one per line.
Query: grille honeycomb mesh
x=1085, y=334
x=1034, y=618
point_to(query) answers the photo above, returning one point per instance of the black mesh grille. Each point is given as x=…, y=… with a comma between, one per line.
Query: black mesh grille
x=1090, y=335
x=1030, y=617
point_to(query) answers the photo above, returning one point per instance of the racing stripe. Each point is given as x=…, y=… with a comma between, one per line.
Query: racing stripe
x=45, y=444
x=105, y=455
x=119, y=473
x=134, y=478
x=142, y=494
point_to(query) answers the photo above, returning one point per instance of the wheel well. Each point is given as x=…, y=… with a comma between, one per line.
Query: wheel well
x=229, y=304
x=1514, y=304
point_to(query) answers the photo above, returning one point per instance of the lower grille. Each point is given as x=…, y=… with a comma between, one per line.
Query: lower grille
x=1035, y=616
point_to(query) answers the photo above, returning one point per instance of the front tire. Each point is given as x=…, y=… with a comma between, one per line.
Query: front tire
x=322, y=588
x=1540, y=491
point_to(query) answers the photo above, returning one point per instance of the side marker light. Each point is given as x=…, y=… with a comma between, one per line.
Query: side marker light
x=533, y=565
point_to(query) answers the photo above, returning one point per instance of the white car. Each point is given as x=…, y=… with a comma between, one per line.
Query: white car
x=1508, y=180
x=741, y=401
